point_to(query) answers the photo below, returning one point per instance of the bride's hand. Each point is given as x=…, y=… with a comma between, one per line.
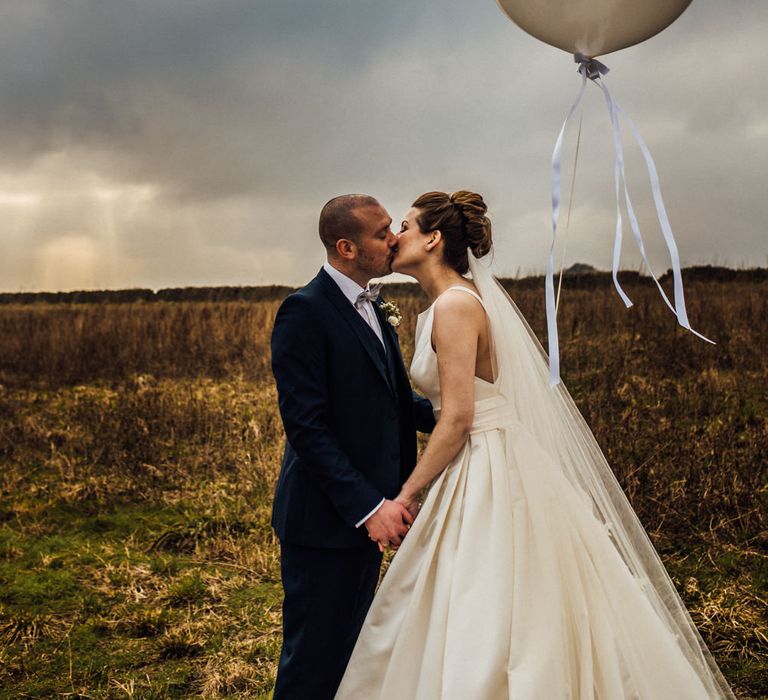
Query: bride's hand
x=411, y=503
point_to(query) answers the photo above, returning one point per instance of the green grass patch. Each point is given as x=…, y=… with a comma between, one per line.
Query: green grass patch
x=47, y=591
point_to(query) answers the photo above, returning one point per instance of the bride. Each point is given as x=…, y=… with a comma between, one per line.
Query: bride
x=526, y=574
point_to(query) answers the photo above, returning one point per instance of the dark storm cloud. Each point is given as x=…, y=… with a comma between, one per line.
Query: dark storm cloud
x=190, y=142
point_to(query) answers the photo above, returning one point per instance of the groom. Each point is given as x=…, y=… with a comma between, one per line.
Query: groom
x=350, y=420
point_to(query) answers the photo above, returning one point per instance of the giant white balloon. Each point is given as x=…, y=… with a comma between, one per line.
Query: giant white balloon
x=593, y=27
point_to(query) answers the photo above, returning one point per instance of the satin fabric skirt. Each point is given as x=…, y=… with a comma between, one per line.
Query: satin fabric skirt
x=508, y=587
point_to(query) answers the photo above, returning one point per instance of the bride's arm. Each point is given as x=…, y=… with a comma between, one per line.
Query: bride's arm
x=456, y=328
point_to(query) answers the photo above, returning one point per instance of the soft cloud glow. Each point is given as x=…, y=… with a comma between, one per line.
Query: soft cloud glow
x=68, y=261
x=19, y=199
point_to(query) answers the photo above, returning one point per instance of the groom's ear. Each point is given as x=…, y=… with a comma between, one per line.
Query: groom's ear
x=346, y=249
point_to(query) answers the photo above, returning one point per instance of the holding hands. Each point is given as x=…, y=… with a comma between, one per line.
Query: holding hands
x=410, y=501
x=389, y=525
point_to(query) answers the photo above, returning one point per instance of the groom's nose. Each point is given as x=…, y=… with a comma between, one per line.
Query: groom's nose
x=391, y=240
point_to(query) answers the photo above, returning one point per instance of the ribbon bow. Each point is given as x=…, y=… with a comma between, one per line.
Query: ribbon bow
x=590, y=67
x=370, y=294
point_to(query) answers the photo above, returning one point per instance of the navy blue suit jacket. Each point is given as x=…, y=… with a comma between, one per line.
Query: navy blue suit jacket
x=350, y=421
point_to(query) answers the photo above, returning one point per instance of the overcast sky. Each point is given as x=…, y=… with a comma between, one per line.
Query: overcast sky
x=158, y=143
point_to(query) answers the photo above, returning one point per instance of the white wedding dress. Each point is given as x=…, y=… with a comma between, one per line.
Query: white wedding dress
x=514, y=581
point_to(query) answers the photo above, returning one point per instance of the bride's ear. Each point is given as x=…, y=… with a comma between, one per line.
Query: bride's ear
x=434, y=239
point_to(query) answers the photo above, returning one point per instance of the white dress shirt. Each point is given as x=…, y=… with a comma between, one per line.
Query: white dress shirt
x=351, y=290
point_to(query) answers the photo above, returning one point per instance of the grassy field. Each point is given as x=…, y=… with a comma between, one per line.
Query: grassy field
x=140, y=442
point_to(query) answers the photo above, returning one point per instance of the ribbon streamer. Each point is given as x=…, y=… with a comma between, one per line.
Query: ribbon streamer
x=594, y=70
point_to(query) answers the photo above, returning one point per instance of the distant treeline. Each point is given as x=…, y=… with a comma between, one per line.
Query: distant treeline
x=579, y=278
x=125, y=296
x=585, y=277
x=596, y=279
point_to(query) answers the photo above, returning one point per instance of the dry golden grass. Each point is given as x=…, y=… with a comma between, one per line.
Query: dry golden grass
x=140, y=444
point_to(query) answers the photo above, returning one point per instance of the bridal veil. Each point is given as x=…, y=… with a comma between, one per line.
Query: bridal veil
x=550, y=414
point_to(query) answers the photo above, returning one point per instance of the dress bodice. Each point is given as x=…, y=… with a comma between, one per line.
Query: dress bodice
x=424, y=371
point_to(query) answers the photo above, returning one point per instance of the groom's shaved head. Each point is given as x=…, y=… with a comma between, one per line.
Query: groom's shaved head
x=338, y=220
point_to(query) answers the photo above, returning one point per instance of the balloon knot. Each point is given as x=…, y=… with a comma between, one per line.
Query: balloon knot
x=590, y=67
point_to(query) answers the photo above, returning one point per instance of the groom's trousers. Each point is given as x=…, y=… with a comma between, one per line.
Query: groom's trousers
x=327, y=595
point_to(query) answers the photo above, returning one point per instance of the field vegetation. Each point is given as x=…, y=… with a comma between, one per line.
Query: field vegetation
x=140, y=443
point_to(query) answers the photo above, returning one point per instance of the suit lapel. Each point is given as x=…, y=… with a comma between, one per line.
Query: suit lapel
x=386, y=328
x=388, y=332
x=361, y=329
x=393, y=345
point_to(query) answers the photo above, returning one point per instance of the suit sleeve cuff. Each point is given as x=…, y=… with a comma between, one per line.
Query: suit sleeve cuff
x=381, y=503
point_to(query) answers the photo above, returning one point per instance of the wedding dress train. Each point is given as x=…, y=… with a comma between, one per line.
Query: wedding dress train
x=524, y=576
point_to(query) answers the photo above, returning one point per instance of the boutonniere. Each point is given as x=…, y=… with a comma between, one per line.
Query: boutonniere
x=391, y=313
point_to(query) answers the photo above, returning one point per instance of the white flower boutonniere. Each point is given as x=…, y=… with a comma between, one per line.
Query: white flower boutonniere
x=391, y=313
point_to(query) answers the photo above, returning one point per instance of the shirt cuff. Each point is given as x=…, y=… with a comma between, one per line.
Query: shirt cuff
x=381, y=503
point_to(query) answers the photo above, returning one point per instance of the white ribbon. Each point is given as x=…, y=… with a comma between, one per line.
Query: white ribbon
x=554, y=351
x=594, y=70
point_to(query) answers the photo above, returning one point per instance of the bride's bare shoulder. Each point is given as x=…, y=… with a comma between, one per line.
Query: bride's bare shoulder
x=455, y=309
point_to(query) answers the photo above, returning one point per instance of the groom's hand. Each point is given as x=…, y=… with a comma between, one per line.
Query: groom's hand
x=389, y=524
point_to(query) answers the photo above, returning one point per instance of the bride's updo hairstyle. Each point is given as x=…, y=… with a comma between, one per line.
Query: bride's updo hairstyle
x=460, y=218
